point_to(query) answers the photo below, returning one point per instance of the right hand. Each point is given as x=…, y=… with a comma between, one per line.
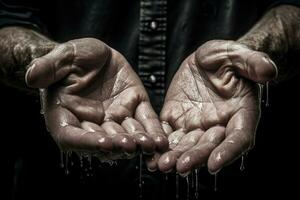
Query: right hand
x=94, y=101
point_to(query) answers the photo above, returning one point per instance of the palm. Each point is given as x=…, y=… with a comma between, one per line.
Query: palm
x=98, y=103
x=214, y=113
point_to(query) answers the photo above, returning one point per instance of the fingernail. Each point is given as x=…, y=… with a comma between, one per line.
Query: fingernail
x=27, y=75
x=151, y=170
x=185, y=174
x=167, y=160
x=168, y=171
x=214, y=172
x=275, y=67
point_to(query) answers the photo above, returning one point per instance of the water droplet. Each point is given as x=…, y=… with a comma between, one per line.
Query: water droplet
x=57, y=102
x=192, y=179
x=215, y=185
x=67, y=162
x=61, y=159
x=186, y=160
x=81, y=160
x=196, y=184
x=63, y=124
x=267, y=95
x=187, y=188
x=42, y=100
x=177, y=186
x=124, y=140
x=167, y=160
x=101, y=140
x=242, y=167
x=90, y=161
x=143, y=138
x=140, y=176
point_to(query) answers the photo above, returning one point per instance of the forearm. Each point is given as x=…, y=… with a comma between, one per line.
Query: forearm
x=277, y=34
x=18, y=47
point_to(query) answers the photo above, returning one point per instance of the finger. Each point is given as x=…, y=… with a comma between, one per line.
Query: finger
x=258, y=66
x=147, y=117
x=166, y=127
x=199, y=154
x=50, y=68
x=151, y=162
x=240, y=137
x=168, y=160
x=66, y=131
x=175, y=137
x=122, y=141
x=74, y=138
x=125, y=105
x=253, y=65
x=91, y=127
x=83, y=108
x=64, y=59
x=138, y=132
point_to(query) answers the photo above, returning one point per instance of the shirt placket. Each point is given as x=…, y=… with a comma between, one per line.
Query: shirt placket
x=152, y=47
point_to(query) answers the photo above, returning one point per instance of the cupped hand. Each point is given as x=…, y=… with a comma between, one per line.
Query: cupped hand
x=213, y=106
x=94, y=101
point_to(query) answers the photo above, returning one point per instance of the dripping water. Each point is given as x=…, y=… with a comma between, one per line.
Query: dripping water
x=196, y=184
x=61, y=159
x=192, y=180
x=57, y=102
x=90, y=161
x=140, y=176
x=267, y=94
x=242, y=167
x=215, y=184
x=177, y=186
x=63, y=124
x=187, y=188
x=67, y=162
x=80, y=160
x=42, y=100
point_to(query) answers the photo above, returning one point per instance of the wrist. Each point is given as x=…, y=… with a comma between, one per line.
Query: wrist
x=23, y=54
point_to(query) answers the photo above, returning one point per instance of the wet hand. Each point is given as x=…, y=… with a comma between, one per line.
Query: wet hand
x=94, y=101
x=213, y=106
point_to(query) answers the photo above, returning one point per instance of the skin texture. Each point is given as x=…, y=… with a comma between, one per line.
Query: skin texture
x=95, y=102
x=213, y=107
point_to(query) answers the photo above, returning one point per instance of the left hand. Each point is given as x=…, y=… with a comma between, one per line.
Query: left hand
x=213, y=104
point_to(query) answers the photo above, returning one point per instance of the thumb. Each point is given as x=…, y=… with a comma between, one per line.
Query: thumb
x=250, y=64
x=257, y=66
x=52, y=67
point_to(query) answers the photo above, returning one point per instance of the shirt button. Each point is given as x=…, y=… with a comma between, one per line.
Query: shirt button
x=152, y=78
x=153, y=25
